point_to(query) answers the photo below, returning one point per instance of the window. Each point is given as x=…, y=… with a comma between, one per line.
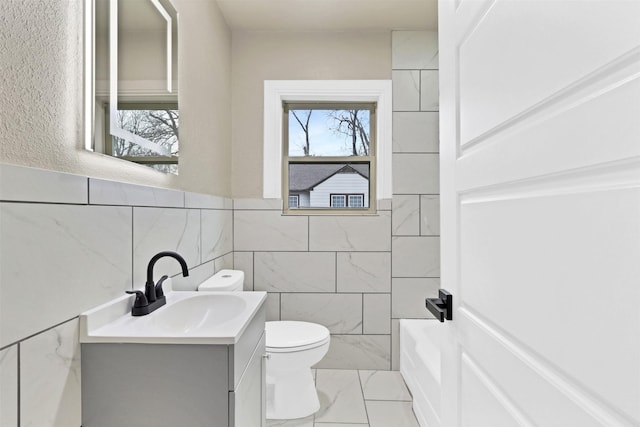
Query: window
x=277, y=92
x=157, y=124
x=347, y=200
x=338, y=201
x=356, y=200
x=329, y=156
x=294, y=200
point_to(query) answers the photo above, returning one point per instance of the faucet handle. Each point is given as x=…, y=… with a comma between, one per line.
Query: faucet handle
x=159, y=291
x=141, y=299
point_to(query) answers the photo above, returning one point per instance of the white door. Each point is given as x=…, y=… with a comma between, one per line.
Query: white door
x=540, y=151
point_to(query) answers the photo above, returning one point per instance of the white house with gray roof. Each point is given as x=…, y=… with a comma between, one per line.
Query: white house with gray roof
x=328, y=185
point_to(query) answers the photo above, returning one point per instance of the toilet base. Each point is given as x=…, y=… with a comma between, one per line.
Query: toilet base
x=291, y=394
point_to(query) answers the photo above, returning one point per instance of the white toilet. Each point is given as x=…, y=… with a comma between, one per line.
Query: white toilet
x=292, y=348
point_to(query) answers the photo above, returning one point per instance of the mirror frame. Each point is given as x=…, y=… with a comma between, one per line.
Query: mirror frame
x=89, y=74
x=89, y=89
x=113, y=78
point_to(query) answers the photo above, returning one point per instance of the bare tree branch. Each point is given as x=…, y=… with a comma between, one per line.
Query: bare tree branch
x=305, y=129
x=349, y=123
x=157, y=126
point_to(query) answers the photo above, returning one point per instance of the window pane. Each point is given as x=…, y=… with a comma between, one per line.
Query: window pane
x=329, y=132
x=338, y=201
x=355, y=201
x=327, y=185
x=293, y=201
x=158, y=126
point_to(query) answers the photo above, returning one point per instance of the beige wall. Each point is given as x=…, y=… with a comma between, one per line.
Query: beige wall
x=205, y=98
x=259, y=56
x=41, y=90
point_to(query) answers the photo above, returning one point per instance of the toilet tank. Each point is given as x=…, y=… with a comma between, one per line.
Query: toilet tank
x=223, y=280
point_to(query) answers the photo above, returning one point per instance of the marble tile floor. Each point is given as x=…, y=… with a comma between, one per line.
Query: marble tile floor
x=350, y=398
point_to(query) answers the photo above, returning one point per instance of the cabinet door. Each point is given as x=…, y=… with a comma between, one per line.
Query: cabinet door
x=246, y=403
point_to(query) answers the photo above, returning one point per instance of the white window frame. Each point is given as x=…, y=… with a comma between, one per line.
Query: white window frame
x=297, y=197
x=277, y=91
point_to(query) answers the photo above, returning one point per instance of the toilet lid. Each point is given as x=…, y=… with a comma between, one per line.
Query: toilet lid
x=291, y=334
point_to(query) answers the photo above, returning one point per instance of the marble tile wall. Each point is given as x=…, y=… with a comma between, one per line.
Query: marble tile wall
x=69, y=243
x=358, y=275
x=415, y=252
x=331, y=270
x=9, y=386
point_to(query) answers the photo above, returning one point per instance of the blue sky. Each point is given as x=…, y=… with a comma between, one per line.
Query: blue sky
x=323, y=140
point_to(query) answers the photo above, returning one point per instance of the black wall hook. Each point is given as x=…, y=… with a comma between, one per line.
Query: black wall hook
x=441, y=307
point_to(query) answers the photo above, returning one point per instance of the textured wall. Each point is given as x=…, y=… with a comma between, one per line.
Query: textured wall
x=41, y=76
x=41, y=83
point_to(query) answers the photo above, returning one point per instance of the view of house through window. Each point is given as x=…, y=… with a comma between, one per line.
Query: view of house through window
x=158, y=124
x=329, y=156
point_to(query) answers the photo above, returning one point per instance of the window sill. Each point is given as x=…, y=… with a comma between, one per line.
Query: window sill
x=316, y=212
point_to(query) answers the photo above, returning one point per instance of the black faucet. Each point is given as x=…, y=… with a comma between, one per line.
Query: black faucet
x=153, y=296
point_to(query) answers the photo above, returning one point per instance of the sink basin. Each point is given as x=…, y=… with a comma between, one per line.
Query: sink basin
x=197, y=314
x=187, y=318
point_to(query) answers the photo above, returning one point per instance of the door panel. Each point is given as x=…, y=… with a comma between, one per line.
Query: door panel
x=530, y=388
x=555, y=45
x=560, y=274
x=483, y=403
x=540, y=196
x=580, y=124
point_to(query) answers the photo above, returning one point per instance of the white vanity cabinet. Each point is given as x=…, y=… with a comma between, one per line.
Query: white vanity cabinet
x=247, y=401
x=176, y=385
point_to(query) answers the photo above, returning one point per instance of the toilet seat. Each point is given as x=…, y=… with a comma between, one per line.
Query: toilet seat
x=295, y=349
x=288, y=336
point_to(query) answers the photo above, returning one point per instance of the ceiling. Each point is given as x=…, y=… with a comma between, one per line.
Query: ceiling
x=330, y=15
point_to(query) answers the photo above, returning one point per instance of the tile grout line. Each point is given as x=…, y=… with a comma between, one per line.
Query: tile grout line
x=308, y=233
x=391, y=331
x=419, y=90
x=364, y=400
x=362, y=329
x=336, y=272
x=200, y=240
x=35, y=334
x=419, y=214
x=400, y=402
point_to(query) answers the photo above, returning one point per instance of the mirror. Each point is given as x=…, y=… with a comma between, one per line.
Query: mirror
x=135, y=112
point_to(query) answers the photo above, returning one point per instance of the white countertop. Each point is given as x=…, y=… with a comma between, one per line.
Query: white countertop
x=187, y=318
